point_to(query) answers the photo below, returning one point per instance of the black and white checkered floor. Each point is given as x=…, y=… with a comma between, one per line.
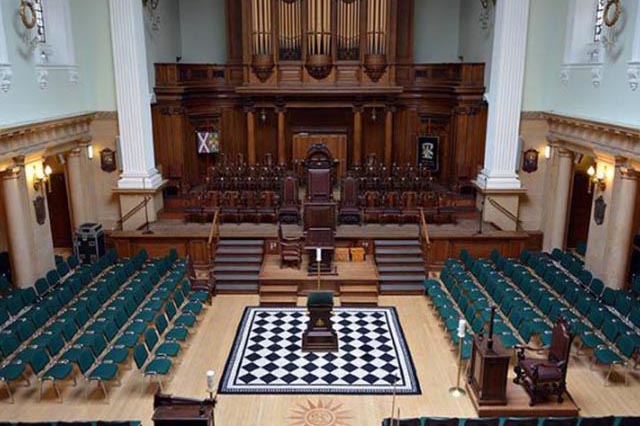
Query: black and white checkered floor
x=267, y=358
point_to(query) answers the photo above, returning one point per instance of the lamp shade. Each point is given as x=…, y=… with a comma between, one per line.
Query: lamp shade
x=210, y=381
x=318, y=254
x=462, y=324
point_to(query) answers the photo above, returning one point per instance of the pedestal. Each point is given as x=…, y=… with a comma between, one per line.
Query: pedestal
x=488, y=370
x=320, y=335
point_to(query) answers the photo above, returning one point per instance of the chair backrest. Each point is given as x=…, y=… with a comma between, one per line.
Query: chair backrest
x=629, y=421
x=349, y=192
x=560, y=421
x=85, y=360
x=493, y=421
x=290, y=191
x=161, y=323
x=597, y=421
x=9, y=342
x=521, y=421
x=39, y=360
x=151, y=338
x=437, y=421
x=140, y=355
x=561, y=339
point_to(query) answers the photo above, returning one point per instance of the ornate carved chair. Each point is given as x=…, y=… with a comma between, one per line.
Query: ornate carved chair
x=349, y=210
x=202, y=277
x=391, y=211
x=290, y=250
x=290, y=206
x=249, y=211
x=230, y=210
x=544, y=377
x=267, y=207
x=372, y=207
x=409, y=207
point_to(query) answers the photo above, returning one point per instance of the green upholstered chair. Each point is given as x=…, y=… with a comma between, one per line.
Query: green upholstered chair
x=151, y=367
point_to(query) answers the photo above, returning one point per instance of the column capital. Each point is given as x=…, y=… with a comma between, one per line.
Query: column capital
x=84, y=141
x=75, y=152
x=357, y=108
x=19, y=161
x=628, y=173
x=11, y=173
x=563, y=152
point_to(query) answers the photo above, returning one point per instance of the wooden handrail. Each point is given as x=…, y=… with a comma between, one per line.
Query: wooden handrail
x=128, y=215
x=506, y=212
x=424, y=228
x=214, y=231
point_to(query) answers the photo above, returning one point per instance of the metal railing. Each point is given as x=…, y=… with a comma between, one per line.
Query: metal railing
x=506, y=212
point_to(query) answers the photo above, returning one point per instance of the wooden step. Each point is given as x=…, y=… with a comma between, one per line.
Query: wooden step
x=235, y=287
x=358, y=288
x=401, y=269
x=399, y=260
x=236, y=277
x=227, y=242
x=400, y=251
x=238, y=268
x=359, y=300
x=397, y=243
x=243, y=260
x=278, y=300
x=238, y=250
x=403, y=278
x=401, y=288
x=279, y=288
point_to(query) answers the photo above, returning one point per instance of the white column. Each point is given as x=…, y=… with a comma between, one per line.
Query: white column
x=555, y=238
x=620, y=230
x=505, y=100
x=132, y=91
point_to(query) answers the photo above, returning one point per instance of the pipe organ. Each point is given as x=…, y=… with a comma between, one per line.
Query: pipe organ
x=320, y=67
x=323, y=35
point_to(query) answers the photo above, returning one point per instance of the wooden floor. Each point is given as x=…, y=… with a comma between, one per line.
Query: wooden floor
x=345, y=271
x=211, y=344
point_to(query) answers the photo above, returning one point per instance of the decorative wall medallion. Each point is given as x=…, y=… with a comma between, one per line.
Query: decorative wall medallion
x=633, y=73
x=42, y=77
x=375, y=66
x=598, y=211
x=40, y=208
x=596, y=76
x=6, y=75
x=530, y=160
x=564, y=76
x=321, y=413
x=108, y=160
x=262, y=66
x=319, y=66
x=73, y=75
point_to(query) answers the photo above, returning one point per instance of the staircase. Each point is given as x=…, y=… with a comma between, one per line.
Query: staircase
x=237, y=265
x=400, y=265
x=363, y=294
x=278, y=294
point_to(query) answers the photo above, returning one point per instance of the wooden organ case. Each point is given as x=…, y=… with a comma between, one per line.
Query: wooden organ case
x=318, y=67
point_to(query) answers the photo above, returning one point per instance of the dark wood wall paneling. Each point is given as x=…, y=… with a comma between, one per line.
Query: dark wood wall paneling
x=439, y=99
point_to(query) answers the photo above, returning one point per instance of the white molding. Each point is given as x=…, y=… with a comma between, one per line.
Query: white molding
x=565, y=74
x=596, y=76
x=633, y=74
x=633, y=71
x=42, y=77
x=6, y=77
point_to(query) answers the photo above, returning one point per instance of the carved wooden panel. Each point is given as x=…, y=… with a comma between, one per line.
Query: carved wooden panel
x=337, y=145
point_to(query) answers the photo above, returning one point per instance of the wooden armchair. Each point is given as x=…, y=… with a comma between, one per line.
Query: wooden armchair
x=230, y=210
x=290, y=206
x=391, y=211
x=544, y=377
x=268, y=206
x=290, y=250
x=202, y=278
x=349, y=210
x=249, y=211
x=372, y=208
x=409, y=206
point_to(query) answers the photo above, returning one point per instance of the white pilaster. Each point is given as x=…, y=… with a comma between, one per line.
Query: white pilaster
x=132, y=91
x=506, y=82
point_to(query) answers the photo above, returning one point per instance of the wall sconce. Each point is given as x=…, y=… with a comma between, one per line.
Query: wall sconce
x=41, y=178
x=90, y=151
x=547, y=152
x=263, y=116
x=373, y=114
x=596, y=179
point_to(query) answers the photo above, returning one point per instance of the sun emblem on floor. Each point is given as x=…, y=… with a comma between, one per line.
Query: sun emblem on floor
x=321, y=413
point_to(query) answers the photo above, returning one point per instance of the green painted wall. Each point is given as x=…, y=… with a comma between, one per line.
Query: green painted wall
x=435, y=37
x=476, y=42
x=613, y=101
x=163, y=43
x=203, y=31
x=27, y=102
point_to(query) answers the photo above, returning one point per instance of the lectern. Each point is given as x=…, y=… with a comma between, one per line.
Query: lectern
x=488, y=369
x=320, y=335
x=176, y=411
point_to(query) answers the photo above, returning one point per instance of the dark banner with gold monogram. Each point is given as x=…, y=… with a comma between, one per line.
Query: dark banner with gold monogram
x=428, y=152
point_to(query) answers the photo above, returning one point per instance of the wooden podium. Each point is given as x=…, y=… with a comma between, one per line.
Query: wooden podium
x=320, y=335
x=175, y=411
x=488, y=369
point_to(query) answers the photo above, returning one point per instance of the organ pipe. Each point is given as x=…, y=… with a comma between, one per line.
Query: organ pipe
x=262, y=27
x=377, y=27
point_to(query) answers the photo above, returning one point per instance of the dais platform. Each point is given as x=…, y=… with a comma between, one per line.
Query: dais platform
x=356, y=283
